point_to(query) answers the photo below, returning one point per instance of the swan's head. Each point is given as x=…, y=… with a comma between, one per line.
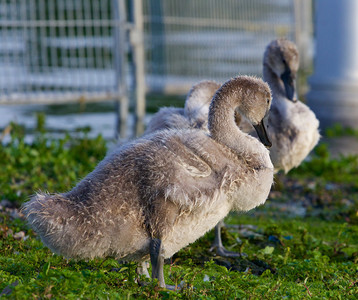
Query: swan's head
x=199, y=97
x=282, y=57
x=252, y=98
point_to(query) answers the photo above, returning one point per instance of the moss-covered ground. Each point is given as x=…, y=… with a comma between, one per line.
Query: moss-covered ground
x=302, y=244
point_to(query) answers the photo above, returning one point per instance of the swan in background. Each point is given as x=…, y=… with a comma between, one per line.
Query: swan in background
x=292, y=125
x=193, y=115
x=155, y=195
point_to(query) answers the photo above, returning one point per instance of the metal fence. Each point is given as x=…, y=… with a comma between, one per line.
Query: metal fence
x=55, y=51
x=59, y=50
x=187, y=40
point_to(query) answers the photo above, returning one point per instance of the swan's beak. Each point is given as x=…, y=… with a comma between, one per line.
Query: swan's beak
x=289, y=84
x=261, y=132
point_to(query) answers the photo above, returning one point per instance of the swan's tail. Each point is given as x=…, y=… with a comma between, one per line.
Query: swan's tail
x=64, y=226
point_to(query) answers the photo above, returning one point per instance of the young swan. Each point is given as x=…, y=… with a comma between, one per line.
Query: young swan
x=292, y=126
x=193, y=115
x=154, y=196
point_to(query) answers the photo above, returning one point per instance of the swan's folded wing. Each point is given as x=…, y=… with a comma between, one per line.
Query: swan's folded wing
x=192, y=174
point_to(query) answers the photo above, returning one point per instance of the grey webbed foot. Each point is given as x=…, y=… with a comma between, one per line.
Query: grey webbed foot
x=221, y=251
x=218, y=247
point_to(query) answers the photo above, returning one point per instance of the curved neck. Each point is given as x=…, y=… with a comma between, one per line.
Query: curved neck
x=222, y=124
x=275, y=83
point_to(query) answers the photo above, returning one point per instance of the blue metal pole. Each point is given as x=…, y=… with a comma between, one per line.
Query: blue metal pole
x=334, y=84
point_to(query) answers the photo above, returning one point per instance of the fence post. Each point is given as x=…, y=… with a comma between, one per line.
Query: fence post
x=136, y=38
x=304, y=31
x=120, y=54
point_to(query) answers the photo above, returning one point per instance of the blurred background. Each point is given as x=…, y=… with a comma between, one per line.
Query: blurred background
x=132, y=56
x=109, y=65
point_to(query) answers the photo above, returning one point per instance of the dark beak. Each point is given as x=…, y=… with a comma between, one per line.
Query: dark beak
x=261, y=132
x=289, y=84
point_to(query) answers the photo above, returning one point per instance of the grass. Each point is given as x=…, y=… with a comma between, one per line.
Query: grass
x=303, y=243
x=154, y=102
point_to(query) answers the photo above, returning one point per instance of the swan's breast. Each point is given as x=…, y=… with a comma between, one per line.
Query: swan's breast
x=294, y=133
x=192, y=225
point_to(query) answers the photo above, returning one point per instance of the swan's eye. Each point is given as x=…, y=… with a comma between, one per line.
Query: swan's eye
x=268, y=100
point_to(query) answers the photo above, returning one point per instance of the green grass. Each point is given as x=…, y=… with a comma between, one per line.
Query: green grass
x=154, y=102
x=291, y=256
x=46, y=164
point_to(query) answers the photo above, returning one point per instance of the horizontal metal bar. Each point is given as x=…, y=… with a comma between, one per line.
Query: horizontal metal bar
x=55, y=98
x=65, y=23
x=218, y=23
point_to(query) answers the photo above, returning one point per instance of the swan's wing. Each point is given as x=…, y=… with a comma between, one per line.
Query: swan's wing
x=306, y=124
x=189, y=171
x=167, y=118
x=299, y=122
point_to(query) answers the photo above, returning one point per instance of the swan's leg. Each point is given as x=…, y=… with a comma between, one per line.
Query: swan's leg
x=218, y=245
x=142, y=269
x=157, y=260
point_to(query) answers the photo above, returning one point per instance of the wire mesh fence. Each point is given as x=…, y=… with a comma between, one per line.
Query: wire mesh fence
x=187, y=41
x=55, y=51
x=58, y=50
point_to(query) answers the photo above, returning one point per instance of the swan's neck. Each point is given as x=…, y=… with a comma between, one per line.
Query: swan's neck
x=275, y=83
x=280, y=103
x=222, y=124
